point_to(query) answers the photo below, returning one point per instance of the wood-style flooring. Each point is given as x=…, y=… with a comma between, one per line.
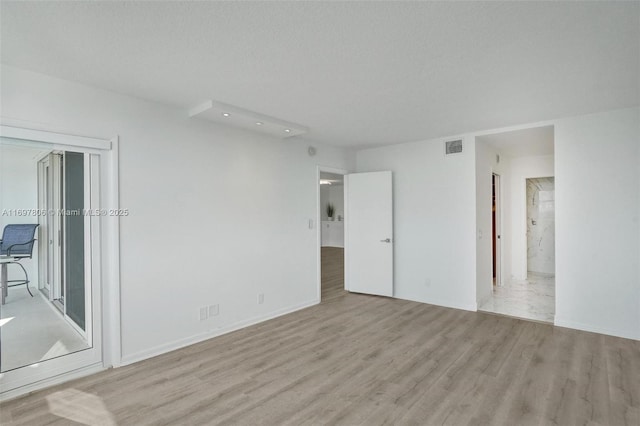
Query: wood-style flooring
x=357, y=359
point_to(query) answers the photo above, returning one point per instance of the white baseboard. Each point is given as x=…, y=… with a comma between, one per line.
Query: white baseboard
x=187, y=341
x=52, y=381
x=482, y=302
x=627, y=334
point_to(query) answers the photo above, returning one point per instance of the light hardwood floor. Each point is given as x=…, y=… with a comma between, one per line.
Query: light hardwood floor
x=357, y=359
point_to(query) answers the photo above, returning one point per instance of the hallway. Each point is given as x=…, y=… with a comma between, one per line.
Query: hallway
x=533, y=299
x=332, y=273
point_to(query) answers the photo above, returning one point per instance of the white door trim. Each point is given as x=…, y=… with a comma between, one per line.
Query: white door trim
x=45, y=251
x=498, y=230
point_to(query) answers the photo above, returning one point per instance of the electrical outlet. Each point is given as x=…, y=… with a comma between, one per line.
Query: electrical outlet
x=260, y=298
x=214, y=310
x=204, y=313
x=427, y=282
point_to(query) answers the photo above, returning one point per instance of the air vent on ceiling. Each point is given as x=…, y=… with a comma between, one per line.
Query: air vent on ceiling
x=453, y=147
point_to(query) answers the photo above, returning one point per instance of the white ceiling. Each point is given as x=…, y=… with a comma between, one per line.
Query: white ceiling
x=354, y=73
x=522, y=143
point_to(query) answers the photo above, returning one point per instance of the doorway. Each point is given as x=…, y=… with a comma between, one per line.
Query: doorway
x=63, y=182
x=515, y=270
x=63, y=327
x=331, y=214
x=358, y=240
x=56, y=320
x=541, y=258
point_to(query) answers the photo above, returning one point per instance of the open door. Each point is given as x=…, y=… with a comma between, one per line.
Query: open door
x=369, y=233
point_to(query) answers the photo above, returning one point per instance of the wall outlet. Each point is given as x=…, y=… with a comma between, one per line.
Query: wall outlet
x=214, y=310
x=260, y=298
x=427, y=282
x=204, y=313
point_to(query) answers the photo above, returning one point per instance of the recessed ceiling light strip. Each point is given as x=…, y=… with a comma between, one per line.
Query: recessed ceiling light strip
x=235, y=116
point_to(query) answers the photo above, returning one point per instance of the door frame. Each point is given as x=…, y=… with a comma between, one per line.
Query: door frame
x=52, y=227
x=498, y=228
x=318, y=221
x=105, y=273
x=45, y=275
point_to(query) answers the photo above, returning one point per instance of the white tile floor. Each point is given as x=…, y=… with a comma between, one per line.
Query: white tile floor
x=31, y=330
x=533, y=298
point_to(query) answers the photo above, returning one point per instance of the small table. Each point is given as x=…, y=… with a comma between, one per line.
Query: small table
x=4, y=278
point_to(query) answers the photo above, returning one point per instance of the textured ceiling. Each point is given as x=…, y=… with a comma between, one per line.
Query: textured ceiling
x=355, y=73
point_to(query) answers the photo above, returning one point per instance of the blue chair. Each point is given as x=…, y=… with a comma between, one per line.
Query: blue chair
x=17, y=243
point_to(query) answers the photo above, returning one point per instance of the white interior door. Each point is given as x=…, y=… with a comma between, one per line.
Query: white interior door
x=369, y=233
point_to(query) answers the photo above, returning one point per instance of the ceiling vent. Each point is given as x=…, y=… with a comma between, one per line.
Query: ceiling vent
x=453, y=147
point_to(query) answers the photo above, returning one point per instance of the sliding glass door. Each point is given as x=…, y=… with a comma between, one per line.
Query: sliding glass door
x=74, y=237
x=58, y=330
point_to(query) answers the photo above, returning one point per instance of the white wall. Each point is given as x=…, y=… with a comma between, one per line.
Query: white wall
x=597, y=247
x=521, y=169
x=218, y=214
x=19, y=190
x=434, y=220
x=239, y=204
x=332, y=234
x=541, y=240
x=597, y=230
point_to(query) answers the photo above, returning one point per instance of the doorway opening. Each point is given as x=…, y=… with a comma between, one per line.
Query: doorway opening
x=63, y=177
x=541, y=226
x=331, y=215
x=58, y=329
x=50, y=190
x=516, y=269
x=541, y=256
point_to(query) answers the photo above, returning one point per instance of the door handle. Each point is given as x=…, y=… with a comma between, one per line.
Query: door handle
x=386, y=240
